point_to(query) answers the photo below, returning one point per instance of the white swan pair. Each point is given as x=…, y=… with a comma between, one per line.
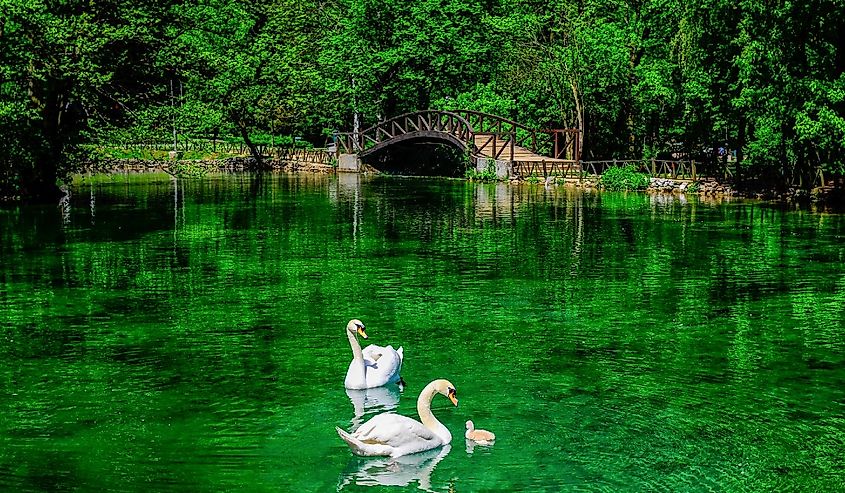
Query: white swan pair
x=391, y=434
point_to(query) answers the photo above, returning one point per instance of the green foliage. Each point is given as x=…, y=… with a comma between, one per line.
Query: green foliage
x=693, y=187
x=187, y=169
x=534, y=178
x=618, y=178
x=63, y=67
x=640, y=79
x=487, y=174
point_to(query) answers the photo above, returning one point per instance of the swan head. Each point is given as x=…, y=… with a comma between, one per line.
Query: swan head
x=446, y=388
x=356, y=326
x=470, y=425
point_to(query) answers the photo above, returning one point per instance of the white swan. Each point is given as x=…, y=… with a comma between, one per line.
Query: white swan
x=395, y=435
x=375, y=365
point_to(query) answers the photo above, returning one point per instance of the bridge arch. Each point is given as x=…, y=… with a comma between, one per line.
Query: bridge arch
x=429, y=124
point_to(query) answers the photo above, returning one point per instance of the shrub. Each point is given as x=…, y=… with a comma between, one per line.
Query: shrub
x=488, y=174
x=624, y=178
x=534, y=178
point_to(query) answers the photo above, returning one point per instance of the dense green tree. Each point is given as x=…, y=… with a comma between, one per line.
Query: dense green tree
x=251, y=65
x=638, y=77
x=63, y=66
x=388, y=57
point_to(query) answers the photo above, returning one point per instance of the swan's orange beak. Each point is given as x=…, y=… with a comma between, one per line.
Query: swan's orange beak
x=453, y=396
x=362, y=333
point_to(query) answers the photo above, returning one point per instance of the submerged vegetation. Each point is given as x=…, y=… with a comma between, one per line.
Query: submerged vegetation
x=756, y=82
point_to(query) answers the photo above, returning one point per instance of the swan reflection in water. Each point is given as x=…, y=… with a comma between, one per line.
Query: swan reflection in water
x=472, y=445
x=399, y=471
x=369, y=402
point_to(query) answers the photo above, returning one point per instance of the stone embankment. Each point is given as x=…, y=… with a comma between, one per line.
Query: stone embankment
x=710, y=187
x=666, y=185
x=704, y=187
x=209, y=165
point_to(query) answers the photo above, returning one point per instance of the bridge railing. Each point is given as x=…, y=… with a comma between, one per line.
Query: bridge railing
x=498, y=145
x=483, y=124
x=566, y=143
x=423, y=123
x=560, y=143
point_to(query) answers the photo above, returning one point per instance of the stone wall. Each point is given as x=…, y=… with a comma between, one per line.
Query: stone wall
x=208, y=165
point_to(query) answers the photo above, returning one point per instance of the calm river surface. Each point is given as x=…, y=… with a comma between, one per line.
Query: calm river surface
x=164, y=336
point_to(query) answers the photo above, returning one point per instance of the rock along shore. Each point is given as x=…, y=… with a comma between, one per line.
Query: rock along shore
x=713, y=188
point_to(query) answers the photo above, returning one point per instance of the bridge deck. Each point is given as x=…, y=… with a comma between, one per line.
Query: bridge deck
x=519, y=153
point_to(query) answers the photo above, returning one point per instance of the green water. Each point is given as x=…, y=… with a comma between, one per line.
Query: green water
x=163, y=336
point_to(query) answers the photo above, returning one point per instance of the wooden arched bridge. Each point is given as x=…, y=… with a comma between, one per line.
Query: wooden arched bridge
x=522, y=150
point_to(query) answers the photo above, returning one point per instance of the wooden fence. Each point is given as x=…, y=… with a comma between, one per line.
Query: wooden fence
x=201, y=145
x=656, y=168
x=545, y=169
x=304, y=156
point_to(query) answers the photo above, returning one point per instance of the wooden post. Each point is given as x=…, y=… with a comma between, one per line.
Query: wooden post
x=513, y=137
x=653, y=167
x=692, y=166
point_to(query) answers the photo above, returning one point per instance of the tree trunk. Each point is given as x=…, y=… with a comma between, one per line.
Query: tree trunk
x=39, y=179
x=253, y=150
x=579, y=113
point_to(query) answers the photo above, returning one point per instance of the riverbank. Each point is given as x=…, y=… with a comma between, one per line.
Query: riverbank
x=713, y=188
x=705, y=187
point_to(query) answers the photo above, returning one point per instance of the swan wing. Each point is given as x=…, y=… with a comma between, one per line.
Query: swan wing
x=373, y=352
x=383, y=365
x=397, y=431
x=360, y=448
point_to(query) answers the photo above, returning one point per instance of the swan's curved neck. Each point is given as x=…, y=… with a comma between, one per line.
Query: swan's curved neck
x=356, y=376
x=427, y=417
x=357, y=354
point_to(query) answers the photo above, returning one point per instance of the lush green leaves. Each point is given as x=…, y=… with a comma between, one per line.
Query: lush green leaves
x=639, y=78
